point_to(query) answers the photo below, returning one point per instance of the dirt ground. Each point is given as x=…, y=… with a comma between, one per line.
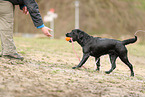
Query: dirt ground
x=47, y=72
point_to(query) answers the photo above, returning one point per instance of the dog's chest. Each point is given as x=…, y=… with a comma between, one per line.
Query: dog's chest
x=98, y=51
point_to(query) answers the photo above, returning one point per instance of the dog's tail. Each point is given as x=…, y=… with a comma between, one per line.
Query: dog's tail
x=128, y=41
x=133, y=40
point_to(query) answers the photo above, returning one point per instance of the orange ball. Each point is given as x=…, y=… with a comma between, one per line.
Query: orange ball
x=67, y=38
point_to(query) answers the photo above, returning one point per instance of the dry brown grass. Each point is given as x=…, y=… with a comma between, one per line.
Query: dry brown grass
x=46, y=72
x=113, y=17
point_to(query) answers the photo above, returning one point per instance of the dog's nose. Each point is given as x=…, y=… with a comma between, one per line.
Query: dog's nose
x=66, y=34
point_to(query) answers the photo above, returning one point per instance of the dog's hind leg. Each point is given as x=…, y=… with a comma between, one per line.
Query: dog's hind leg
x=97, y=63
x=126, y=61
x=113, y=58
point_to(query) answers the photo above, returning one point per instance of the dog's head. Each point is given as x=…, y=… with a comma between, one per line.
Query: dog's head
x=75, y=34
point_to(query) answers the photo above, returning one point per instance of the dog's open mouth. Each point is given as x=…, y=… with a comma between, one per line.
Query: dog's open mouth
x=70, y=40
x=68, y=37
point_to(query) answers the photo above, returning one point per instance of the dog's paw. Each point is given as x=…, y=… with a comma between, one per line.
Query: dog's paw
x=74, y=67
x=107, y=72
x=97, y=69
x=132, y=74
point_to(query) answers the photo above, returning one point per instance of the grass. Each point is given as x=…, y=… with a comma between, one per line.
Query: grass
x=137, y=49
x=50, y=46
x=46, y=71
x=142, y=4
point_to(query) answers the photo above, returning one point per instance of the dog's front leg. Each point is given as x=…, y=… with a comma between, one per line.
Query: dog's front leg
x=84, y=59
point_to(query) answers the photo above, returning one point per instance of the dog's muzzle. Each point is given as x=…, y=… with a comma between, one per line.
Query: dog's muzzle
x=69, y=35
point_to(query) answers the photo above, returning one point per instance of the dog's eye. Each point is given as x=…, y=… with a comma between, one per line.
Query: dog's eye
x=73, y=33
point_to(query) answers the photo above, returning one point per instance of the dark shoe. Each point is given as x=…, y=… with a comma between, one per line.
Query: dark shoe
x=15, y=56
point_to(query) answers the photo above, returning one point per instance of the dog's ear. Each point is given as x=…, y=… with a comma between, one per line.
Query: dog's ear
x=81, y=35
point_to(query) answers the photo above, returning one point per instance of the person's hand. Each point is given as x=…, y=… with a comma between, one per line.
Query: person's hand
x=25, y=10
x=46, y=30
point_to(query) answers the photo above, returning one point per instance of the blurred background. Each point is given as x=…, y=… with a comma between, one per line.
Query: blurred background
x=115, y=18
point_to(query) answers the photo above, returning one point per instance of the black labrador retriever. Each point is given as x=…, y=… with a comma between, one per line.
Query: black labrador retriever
x=97, y=46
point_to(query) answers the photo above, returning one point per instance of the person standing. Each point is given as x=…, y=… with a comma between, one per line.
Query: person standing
x=7, y=20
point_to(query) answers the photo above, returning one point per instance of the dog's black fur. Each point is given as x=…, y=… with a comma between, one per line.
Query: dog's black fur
x=96, y=47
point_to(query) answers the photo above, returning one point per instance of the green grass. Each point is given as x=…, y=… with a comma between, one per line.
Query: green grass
x=27, y=45
x=141, y=5
x=137, y=49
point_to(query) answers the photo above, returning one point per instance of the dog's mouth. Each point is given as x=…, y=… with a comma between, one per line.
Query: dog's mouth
x=68, y=35
x=71, y=40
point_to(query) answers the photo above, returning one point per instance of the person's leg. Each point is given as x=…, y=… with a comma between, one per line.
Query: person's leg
x=6, y=29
